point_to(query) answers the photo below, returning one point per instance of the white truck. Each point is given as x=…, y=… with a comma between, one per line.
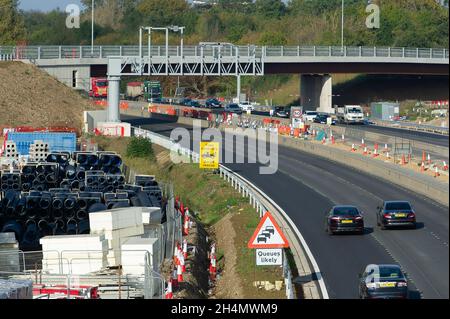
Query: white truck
x=350, y=114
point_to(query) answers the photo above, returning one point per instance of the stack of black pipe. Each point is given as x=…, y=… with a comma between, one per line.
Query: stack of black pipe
x=55, y=197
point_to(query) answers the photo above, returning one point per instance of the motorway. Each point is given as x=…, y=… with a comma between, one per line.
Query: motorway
x=306, y=186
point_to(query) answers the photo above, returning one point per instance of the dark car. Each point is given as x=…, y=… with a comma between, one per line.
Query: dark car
x=261, y=238
x=383, y=282
x=344, y=219
x=193, y=104
x=323, y=118
x=185, y=101
x=281, y=112
x=213, y=103
x=396, y=213
x=233, y=108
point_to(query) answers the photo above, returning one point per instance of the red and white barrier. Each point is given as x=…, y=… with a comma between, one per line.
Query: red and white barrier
x=169, y=291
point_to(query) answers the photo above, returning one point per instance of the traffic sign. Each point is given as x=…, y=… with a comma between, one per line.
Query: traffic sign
x=268, y=234
x=269, y=257
x=209, y=155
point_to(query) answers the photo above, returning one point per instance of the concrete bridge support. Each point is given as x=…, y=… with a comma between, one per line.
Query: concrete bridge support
x=114, y=70
x=316, y=92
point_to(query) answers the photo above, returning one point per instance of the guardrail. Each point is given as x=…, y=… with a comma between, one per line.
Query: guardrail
x=414, y=126
x=306, y=264
x=101, y=52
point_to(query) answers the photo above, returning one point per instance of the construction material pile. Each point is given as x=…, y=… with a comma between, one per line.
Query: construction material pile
x=55, y=197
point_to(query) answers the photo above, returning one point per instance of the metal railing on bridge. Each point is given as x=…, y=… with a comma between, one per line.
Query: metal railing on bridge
x=103, y=52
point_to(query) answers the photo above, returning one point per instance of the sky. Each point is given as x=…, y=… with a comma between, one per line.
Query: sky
x=46, y=5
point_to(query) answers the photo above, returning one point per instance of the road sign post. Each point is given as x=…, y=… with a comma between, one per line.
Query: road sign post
x=209, y=155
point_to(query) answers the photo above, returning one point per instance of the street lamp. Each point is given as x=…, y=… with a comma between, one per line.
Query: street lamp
x=342, y=25
x=92, y=29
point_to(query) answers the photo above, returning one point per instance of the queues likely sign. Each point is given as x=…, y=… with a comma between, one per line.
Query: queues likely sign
x=269, y=257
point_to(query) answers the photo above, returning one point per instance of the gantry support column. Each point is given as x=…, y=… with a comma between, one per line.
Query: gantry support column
x=316, y=92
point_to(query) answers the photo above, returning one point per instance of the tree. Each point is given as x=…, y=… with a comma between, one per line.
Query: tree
x=12, y=28
x=270, y=8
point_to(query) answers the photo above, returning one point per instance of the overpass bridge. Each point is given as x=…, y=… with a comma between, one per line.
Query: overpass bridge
x=74, y=65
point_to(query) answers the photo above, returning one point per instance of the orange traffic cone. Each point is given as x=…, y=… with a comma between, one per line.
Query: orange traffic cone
x=429, y=159
x=423, y=156
x=186, y=226
x=332, y=139
x=185, y=251
x=422, y=167
x=403, y=160
x=182, y=264
x=324, y=140
x=436, y=172
x=353, y=148
x=212, y=267
x=169, y=292
x=174, y=278
x=445, y=166
x=179, y=274
x=375, y=150
x=365, y=150
x=362, y=143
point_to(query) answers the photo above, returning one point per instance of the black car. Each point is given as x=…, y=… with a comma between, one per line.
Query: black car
x=322, y=119
x=383, y=282
x=281, y=112
x=396, y=213
x=185, y=102
x=344, y=219
x=233, y=108
x=213, y=103
x=193, y=104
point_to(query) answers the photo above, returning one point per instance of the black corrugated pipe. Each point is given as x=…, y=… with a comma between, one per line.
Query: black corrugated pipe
x=26, y=187
x=45, y=202
x=59, y=226
x=82, y=214
x=75, y=184
x=71, y=172
x=81, y=174
x=105, y=160
x=116, y=160
x=44, y=213
x=83, y=227
x=44, y=228
x=69, y=213
x=97, y=207
x=69, y=203
x=57, y=214
x=71, y=227
x=121, y=204
x=31, y=236
x=13, y=226
x=144, y=199
x=40, y=178
x=21, y=210
x=82, y=203
x=93, y=160
x=57, y=203
x=135, y=201
x=50, y=178
x=82, y=159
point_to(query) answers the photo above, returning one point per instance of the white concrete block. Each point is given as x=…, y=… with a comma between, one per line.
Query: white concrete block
x=151, y=215
x=115, y=219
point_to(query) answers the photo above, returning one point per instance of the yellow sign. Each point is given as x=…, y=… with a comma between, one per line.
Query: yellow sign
x=209, y=155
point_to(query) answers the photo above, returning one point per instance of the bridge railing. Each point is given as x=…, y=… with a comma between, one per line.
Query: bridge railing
x=77, y=52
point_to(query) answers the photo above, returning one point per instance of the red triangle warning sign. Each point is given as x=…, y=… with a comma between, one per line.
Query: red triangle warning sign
x=268, y=234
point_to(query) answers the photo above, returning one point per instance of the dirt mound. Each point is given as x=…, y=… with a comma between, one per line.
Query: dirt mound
x=31, y=97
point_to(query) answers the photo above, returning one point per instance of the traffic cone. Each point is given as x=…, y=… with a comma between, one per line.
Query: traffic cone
x=324, y=140
x=385, y=148
x=212, y=266
x=403, y=160
x=186, y=227
x=375, y=150
x=182, y=264
x=175, y=254
x=436, y=172
x=179, y=274
x=343, y=137
x=445, y=166
x=353, y=148
x=429, y=159
x=422, y=167
x=169, y=292
x=174, y=279
x=182, y=209
x=185, y=250
x=213, y=249
x=365, y=150
x=332, y=140
x=363, y=144
x=423, y=156
x=387, y=155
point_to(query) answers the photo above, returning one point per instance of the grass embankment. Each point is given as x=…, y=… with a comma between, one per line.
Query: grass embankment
x=222, y=210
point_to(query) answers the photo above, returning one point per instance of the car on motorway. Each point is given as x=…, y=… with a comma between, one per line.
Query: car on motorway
x=396, y=213
x=309, y=116
x=213, y=103
x=281, y=112
x=246, y=106
x=194, y=104
x=383, y=281
x=233, y=108
x=185, y=101
x=344, y=218
x=323, y=118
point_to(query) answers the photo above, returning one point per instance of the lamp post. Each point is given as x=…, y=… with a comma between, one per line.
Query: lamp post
x=92, y=29
x=342, y=25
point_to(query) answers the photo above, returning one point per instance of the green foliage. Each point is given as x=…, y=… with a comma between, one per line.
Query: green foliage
x=140, y=147
x=11, y=23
